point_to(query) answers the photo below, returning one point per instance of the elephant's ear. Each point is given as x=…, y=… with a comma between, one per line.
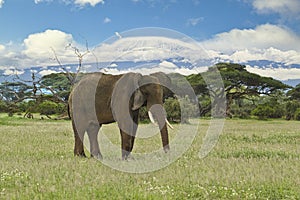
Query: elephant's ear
x=163, y=79
x=138, y=100
x=165, y=82
x=122, y=101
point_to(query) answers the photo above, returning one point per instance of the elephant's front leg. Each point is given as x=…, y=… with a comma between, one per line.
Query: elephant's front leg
x=127, y=139
x=93, y=137
x=127, y=144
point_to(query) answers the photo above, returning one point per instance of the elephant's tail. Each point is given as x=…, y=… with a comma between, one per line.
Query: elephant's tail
x=69, y=113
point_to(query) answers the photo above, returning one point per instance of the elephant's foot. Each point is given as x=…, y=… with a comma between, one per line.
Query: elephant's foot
x=166, y=148
x=97, y=156
x=125, y=154
x=128, y=158
x=80, y=154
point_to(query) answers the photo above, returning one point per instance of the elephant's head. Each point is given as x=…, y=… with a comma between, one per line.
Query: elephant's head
x=131, y=92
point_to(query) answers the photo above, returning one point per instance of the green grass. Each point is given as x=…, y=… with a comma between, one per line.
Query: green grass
x=252, y=160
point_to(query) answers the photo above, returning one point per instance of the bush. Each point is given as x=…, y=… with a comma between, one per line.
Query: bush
x=262, y=111
x=172, y=108
x=291, y=108
x=3, y=107
x=48, y=108
x=242, y=108
x=180, y=110
x=297, y=114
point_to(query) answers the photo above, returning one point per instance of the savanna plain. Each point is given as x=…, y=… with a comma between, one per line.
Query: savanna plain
x=252, y=160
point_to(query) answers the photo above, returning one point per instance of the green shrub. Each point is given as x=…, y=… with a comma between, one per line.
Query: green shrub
x=48, y=108
x=262, y=111
x=172, y=108
x=3, y=107
x=291, y=108
x=297, y=114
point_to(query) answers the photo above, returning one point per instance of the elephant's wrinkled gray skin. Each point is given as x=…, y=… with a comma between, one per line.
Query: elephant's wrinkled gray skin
x=101, y=99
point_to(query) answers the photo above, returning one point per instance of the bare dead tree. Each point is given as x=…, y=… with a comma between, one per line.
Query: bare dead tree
x=36, y=89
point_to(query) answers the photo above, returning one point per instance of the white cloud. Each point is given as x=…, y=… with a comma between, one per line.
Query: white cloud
x=38, y=47
x=47, y=72
x=277, y=73
x=118, y=35
x=37, y=50
x=12, y=71
x=113, y=65
x=265, y=42
x=106, y=20
x=91, y=2
x=37, y=1
x=47, y=1
x=2, y=47
x=262, y=37
x=163, y=66
x=286, y=8
x=148, y=48
x=1, y=3
x=80, y=3
x=272, y=54
x=168, y=65
x=194, y=21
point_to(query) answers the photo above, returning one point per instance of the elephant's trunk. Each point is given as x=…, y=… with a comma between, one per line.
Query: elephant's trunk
x=157, y=113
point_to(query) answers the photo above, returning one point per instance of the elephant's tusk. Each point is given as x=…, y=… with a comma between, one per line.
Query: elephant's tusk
x=151, y=117
x=168, y=123
x=153, y=121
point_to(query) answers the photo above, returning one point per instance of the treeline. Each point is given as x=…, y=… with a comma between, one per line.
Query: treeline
x=247, y=95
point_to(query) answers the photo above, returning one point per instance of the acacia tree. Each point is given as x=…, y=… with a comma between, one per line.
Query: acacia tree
x=294, y=93
x=293, y=104
x=238, y=84
x=59, y=84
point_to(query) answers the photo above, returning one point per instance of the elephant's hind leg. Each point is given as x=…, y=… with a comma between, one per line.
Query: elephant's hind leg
x=93, y=137
x=78, y=135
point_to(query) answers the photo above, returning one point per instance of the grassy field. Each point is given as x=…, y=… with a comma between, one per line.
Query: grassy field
x=252, y=160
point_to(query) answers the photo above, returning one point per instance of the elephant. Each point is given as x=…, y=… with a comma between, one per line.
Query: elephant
x=100, y=98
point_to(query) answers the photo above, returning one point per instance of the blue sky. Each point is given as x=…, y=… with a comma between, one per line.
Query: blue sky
x=196, y=18
x=235, y=30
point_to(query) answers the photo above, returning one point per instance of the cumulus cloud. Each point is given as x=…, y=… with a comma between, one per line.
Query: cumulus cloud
x=39, y=47
x=277, y=73
x=40, y=44
x=272, y=54
x=262, y=37
x=286, y=8
x=265, y=42
x=91, y=2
